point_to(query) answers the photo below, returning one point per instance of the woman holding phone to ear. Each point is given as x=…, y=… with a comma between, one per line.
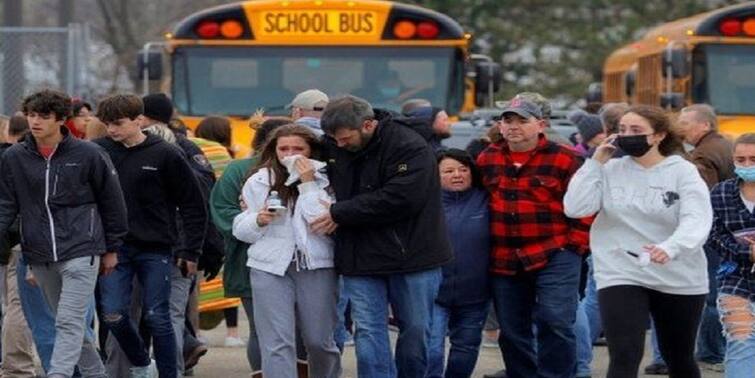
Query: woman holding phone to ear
x=291, y=268
x=653, y=217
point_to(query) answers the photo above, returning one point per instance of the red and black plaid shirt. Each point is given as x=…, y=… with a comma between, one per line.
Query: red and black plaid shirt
x=527, y=220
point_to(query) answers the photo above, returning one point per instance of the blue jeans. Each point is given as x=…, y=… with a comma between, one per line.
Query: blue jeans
x=412, y=296
x=38, y=315
x=464, y=326
x=588, y=326
x=740, y=337
x=341, y=334
x=548, y=299
x=711, y=344
x=153, y=270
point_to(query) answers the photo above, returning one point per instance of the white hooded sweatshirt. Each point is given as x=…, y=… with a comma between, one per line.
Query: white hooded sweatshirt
x=667, y=205
x=273, y=246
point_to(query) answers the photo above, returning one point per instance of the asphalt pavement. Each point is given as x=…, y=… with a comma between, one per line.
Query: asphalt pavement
x=221, y=362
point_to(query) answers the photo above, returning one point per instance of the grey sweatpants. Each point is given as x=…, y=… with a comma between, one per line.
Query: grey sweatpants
x=308, y=299
x=179, y=297
x=68, y=287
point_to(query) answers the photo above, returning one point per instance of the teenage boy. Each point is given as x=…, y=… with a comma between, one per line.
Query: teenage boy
x=157, y=183
x=72, y=215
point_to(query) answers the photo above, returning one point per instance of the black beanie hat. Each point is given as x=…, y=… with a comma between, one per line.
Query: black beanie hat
x=158, y=107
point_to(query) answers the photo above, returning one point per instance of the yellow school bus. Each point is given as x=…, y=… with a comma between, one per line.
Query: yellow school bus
x=234, y=59
x=706, y=58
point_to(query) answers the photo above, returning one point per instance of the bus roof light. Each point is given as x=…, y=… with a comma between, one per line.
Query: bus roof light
x=730, y=27
x=427, y=30
x=749, y=27
x=208, y=29
x=231, y=29
x=404, y=29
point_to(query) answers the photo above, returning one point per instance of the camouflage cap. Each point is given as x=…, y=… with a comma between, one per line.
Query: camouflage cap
x=523, y=108
x=537, y=99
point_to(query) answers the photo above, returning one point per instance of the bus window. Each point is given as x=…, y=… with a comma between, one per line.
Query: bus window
x=234, y=73
x=238, y=81
x=730, y=82
x=345, y=75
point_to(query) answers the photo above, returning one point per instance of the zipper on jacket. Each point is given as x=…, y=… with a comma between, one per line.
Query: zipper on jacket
x=21, y=229
x=91, y=222
x=49, y=212
x=398, y=240
x=55, y=185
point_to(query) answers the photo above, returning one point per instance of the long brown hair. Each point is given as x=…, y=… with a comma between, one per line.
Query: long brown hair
x=660, y=122
x=269, y=159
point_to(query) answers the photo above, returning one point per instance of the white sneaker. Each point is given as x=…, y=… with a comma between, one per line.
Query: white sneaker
x=234, y=342
x=149, y=371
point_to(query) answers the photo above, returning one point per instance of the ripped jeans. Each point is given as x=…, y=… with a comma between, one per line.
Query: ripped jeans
x=153, y=270
x=738, y=319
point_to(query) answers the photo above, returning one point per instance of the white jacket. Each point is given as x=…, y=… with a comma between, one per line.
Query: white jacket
x=273, y=246
x=667, y=205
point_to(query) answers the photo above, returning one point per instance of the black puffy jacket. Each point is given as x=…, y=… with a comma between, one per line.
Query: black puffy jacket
x=69, y=205
x=388, y=204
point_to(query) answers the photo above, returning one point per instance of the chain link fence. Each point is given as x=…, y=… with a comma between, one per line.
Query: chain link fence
x=35, y=58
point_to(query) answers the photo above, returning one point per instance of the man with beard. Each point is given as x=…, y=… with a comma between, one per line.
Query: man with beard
x=391, y=239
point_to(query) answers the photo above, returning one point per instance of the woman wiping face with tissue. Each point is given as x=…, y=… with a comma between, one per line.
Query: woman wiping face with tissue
x=291, y=268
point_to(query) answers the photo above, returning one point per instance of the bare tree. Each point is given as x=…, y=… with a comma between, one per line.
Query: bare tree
x=125, y=25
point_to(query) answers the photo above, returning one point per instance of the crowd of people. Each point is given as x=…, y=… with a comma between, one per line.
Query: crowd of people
x=347, y=220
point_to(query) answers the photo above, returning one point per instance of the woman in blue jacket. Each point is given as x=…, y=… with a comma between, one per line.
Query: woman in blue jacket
x=463, y=300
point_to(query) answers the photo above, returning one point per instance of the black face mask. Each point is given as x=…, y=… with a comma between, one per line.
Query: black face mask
x=634, y=145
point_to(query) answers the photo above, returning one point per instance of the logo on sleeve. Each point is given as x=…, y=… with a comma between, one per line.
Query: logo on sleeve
x=149, y=168
x=403, y=167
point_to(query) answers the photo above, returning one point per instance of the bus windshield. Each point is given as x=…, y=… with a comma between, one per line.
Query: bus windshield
x=239, y=80
x=724, y=78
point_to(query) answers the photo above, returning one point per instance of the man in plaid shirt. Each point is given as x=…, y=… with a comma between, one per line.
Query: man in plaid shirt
x=536, y=249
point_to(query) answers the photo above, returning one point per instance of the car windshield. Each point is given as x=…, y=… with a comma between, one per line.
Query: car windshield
x=240, y=80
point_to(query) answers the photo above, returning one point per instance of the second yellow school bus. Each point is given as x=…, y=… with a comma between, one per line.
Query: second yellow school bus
x=706, y=58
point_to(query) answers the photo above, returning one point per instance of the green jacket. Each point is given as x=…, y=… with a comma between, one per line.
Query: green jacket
x=224, y=206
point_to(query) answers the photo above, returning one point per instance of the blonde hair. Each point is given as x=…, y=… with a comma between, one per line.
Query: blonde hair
x=95, y=130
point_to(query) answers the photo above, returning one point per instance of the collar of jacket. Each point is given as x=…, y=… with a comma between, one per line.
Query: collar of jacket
x=31, y=144
x=708, y=135
x=456, y=196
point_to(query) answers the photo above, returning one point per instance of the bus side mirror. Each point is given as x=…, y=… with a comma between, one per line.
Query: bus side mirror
x=488, y=74
x=673, y=100
x=675, y=62
x=594, y=93
x=149, y=64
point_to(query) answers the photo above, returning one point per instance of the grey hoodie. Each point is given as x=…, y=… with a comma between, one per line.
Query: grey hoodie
x=667, y=205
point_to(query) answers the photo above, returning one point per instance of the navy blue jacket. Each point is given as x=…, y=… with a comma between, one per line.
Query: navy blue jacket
x=465, y=279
